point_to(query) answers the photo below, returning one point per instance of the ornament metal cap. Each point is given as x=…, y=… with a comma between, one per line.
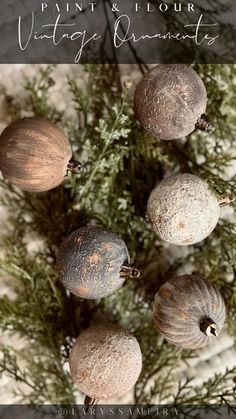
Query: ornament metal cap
x=209, y=327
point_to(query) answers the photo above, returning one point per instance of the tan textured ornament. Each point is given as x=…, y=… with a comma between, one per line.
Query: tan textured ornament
x=189, y=311
x=105, y=362
x=183, y=210
x=94, y=262
x=35, y=155
x=170, y=101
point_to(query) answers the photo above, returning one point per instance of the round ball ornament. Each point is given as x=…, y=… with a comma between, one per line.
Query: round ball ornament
x=94, y=262
x=189, y=311
x=105, y=362
x=35, y=155
x=183, y=209
x=170, y=101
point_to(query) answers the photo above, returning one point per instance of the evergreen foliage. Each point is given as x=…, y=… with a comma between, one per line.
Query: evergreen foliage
x=122, y=165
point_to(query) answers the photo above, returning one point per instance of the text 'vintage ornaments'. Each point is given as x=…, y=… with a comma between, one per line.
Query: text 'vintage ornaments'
x=94, y=262
x=105, y=362
x=35, y=155
x=189, y=311
x=170, y=101
x=183, y=210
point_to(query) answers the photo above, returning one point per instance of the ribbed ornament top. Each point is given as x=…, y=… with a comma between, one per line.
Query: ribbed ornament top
x=189, y=311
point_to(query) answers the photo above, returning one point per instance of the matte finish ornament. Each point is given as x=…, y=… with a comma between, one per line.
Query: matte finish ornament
x=170, y=101
x=93, y=262
x=105, y=361
x=183, y=210
x=34, y=154
x=189, y=311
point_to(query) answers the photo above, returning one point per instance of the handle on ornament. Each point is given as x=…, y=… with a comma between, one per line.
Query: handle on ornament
x=88, y=401
x=226, y=199
x=75, y=166
x=204, y=124
x=208, y=327
x=128, y=271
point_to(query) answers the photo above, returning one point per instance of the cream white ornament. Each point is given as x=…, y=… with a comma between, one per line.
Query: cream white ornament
x=183, y=209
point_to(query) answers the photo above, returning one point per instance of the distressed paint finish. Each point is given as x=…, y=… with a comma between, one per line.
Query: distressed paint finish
x=183, y=210
x=34, y=154
x=181, y=305
x=105, y=361
x=89, y=262
x=168, y=101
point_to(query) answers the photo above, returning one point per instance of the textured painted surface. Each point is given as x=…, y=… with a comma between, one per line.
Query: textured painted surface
x=105, y=361
x=89, y=262
x=183, y=210
x=180, y=306
x=214, y=358
x=169, y=100
x=34, y=154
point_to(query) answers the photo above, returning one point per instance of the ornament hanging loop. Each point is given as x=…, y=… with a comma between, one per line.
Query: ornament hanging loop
x=204, y=124
x=75, y=167
x=208, y=327
x=226, y=199
x=88, y=401
x=128, y=271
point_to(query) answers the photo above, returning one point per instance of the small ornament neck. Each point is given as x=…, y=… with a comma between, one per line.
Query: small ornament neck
x=204, y=124
x=208, y=327
x=226, y=199
x=128, y=271
x=88, y=401
x=74, y=166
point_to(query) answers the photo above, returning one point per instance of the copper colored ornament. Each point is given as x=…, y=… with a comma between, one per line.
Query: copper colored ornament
x=35, y=155
x=170, y=101
x=189, y=311
x=105, y=362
